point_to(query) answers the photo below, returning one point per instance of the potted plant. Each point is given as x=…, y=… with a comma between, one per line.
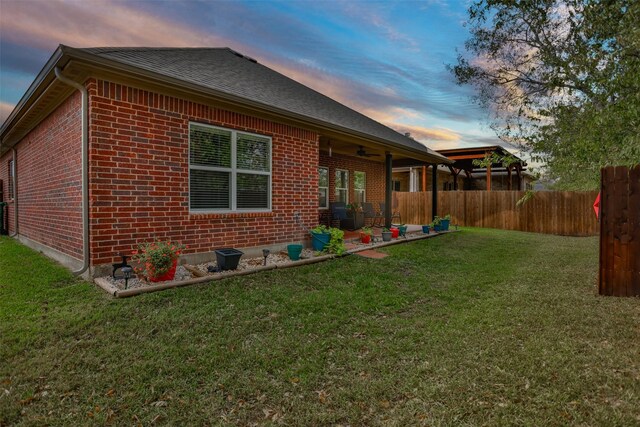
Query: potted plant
x=294, y=251
x=425, y=228
x=228, y=258
x=365, y=234
x=445, y=222
x=356, y=212
x=395, y=232
x=437, y=224
x=403, y=229
x=320, y=237
x=386, y=235
x=159, y=260
x=336, y=242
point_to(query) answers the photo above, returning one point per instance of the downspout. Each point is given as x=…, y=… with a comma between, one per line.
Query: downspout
x=85, y=167
x=14, y=178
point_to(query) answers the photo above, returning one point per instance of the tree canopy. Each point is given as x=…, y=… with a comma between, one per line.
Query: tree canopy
x=560, y=78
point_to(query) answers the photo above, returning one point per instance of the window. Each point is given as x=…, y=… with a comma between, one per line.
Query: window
x=12, y=173
x=228, y=170
x=342, y=186
x=395, y=185
x=323, y=188
x=360, y=186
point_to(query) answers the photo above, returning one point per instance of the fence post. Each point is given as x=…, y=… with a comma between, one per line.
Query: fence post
x=619, y=273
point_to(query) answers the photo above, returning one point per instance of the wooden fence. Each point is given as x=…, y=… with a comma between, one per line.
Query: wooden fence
x=549, y=212
x=620, y=232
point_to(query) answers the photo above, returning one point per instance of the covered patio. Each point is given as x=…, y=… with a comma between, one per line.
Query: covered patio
x=355, y=174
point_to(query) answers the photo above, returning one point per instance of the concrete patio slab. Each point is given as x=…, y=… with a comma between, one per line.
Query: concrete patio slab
x=369, y=253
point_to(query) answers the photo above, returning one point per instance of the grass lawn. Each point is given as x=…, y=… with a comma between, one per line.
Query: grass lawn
x=479, y=327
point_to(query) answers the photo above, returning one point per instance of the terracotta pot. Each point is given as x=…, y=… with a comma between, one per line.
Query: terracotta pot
x=169, y=275
x=365, y=238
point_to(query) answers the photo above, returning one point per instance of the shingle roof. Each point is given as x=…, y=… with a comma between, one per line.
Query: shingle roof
x=229, y=72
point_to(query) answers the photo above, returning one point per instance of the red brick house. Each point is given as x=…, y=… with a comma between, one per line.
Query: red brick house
x=110, y=147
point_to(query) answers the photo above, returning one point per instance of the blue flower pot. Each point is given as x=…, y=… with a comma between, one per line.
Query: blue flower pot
x=319, y=241
x=425, y=229
x=437, y=228
x=294, y=252
x=444, y=224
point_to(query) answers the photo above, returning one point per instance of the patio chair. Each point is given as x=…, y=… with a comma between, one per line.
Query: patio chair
x=370, y=213
x=394, y=214
x=339, y=213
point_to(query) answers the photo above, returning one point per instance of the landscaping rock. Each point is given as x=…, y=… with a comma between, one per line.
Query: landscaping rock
x=181, y=274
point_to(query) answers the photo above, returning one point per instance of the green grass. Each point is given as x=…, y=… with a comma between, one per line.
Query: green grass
x=482, y=327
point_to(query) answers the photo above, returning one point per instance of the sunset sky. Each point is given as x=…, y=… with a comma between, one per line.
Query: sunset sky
x=385, y=59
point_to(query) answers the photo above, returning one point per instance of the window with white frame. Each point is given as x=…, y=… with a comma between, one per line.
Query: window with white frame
x=228, y=170
x=323, y=188
x=342, y=186
x=360, y=186
x=12, y=172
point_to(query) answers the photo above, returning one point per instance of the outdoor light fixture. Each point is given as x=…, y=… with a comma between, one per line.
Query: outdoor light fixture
x=265, y=254
x=126, y=271
x=120, y=265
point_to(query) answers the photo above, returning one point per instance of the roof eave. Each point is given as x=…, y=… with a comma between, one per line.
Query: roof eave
x=36, y=86
x=65, y=53
x=431, y=157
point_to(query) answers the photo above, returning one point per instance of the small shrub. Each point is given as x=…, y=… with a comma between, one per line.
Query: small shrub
x=320, y=229
x=156, y=258
x=336, y=244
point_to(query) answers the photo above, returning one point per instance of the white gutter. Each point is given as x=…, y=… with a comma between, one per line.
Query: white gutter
x=85, y=167
x=14, y=178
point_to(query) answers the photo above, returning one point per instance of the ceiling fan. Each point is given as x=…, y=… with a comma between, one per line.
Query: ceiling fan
x=362, y=153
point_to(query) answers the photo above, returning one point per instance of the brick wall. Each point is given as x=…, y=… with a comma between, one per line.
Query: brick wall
x=374, y=171
x=49, y=180
x=139, y=175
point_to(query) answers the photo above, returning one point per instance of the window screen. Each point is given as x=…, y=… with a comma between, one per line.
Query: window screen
x=228, y=170
x=323, y=187
x=342, y=186
x=360, y=186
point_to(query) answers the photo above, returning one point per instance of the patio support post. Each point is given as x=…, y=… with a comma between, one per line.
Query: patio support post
x=388, y=166
x=434, y=191
x=519, y=175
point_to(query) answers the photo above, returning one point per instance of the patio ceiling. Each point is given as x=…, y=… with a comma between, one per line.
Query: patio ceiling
x=376, y=151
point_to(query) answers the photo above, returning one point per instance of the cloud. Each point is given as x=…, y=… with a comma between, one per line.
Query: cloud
x=430, y=134
x=5, y=110
x=94, y=23
x=380, y=24
x=358, y=54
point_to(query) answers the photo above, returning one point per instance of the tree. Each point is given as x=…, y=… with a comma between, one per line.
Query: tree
x=560, y=78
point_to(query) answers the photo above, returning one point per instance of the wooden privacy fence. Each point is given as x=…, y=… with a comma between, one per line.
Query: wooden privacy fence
x=620, y=232
x=550, y=212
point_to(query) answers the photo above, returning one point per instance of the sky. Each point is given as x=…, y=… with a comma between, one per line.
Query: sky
x=385, y=59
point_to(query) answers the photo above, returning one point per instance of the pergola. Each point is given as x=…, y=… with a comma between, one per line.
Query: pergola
x=463, y=162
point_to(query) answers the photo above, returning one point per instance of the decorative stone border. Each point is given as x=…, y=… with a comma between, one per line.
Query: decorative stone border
x=120, y=293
